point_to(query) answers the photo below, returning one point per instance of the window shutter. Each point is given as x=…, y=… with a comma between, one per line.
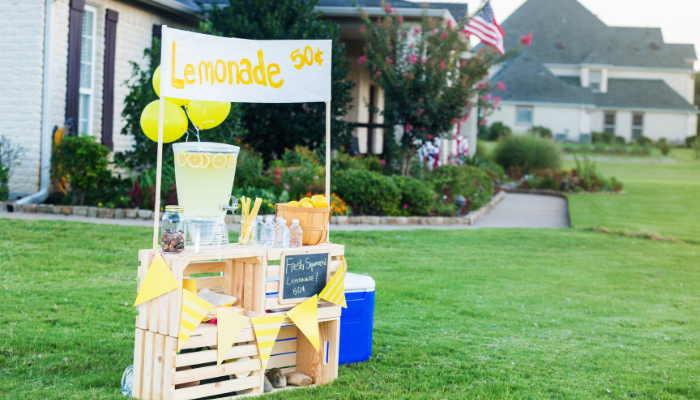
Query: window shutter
x=108, y=89
x=75, y=30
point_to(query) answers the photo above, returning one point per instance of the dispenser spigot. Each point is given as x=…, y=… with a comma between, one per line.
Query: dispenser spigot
x=233, y=207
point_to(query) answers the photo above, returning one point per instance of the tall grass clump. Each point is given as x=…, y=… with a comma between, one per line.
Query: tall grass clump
x=528, y=153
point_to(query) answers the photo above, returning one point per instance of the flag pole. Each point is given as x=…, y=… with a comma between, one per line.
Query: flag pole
x=159, y=163
x=328, y=161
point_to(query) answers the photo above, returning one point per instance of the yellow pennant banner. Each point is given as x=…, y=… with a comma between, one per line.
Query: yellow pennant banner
x=229, y=326
x=335, y=289
x=194, y=309
x=266, y=330
x=305, y=316
x=159, y=280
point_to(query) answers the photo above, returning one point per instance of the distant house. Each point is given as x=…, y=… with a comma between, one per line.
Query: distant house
x=366, y=92
x=581, y=76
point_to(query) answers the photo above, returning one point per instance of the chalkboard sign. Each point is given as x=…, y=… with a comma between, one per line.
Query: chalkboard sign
x=302, y=276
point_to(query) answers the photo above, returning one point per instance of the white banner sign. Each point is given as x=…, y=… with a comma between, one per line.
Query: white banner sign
x=203, y=67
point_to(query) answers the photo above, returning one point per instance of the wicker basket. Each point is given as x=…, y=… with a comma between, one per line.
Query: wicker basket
x=313, y=221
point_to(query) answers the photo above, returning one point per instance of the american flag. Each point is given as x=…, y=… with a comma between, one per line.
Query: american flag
x=484, y=26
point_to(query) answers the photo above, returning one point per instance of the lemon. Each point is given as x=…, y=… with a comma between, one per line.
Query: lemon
x=293, y=204
x=219, y=161
x=232, y=161
x=181, y=158
x=207, y=160
x=314, y=197
x=305, y=200
x=307, y=205
x=195, y=160
x=320, y=202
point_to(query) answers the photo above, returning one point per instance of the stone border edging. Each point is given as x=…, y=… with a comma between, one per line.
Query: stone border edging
x=550, y=192
x=135, y=213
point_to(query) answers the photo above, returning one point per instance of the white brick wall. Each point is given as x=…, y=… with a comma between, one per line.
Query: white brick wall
x=21, y=71
x=21, y=68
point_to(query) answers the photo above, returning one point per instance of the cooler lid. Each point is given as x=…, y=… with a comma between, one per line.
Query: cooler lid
x=358, y=283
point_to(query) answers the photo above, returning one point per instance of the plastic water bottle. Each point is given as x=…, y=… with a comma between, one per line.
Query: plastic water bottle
x=279, y=232
x=268, y=232
x=285, y=234
x=128, y=380
x=295, y=234
x=257, y=230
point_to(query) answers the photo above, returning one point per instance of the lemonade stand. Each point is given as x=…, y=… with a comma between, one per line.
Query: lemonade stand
x=213, y=318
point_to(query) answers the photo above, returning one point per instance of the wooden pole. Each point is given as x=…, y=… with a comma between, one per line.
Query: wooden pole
x=159, y=164
x=328, y=159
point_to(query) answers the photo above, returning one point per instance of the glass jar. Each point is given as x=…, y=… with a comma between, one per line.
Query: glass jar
x=173, y=230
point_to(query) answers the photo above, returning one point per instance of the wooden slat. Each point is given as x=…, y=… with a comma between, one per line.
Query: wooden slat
x=177, y=266
x=273, y=270
x=164, y=319
x=284, y=346
x=272, y=287
x=158, y=359
x=228, y=277
x=239, y=273
x=313, y=363
x=213, y=389
x=144, y=311
x=203, y=267
x=282, y=361
x=211, y=339
x=201, y=357
x=333, y=249
x=139, y=343
x=191, y=375
x=211, y=282
x=149, y=351
x=154, y=318
x=169, y=368
x=221, y=255
x=259, y=280
x=288, y=332
x=248, y=287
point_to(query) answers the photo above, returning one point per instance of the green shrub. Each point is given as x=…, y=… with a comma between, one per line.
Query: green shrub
x=528, y=153
x=371, y=192
x=541, y=131
x=643, y=141
x=690, y=140
x=10, y=156
x=602, y=137
x=488, y=165
x=416, y=198
x=663, y=146
x=250, y=170
x=84, y=161
x=695, y=145
x=496, y=131
x=619, y=140
x=450, y=181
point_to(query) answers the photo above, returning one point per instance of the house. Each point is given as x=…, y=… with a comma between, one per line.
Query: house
x=67, y=60
x=581, y=76
x=366, y=94
x=90, y=47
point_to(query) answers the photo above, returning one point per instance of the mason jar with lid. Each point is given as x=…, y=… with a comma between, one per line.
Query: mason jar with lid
x=173, y=230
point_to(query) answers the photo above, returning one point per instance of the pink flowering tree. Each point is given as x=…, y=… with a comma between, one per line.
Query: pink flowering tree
x=427, y=79
x=487, y=100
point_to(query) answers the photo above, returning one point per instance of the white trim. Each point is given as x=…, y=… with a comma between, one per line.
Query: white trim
x=91, y=91
x=596, y=108
x=609, y=66
x=331, y=11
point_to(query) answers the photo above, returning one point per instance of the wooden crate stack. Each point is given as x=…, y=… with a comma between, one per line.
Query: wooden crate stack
x=249, y=273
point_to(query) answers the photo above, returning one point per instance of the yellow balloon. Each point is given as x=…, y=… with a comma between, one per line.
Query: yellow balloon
x=207, y=114
x=174, y=121
x=156, y=87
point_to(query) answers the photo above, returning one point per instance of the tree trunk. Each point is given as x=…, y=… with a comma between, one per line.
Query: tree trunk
x=82, y=198
x=73, y=197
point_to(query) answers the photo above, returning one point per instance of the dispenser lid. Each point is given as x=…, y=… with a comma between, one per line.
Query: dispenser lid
x=209, y=147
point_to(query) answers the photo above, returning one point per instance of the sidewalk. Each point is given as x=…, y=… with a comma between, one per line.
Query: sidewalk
x=514, y=211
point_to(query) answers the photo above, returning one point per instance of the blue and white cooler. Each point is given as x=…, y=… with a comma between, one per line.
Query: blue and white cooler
x=356, y=321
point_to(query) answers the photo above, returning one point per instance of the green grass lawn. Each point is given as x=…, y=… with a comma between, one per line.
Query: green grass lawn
x=487, y=314
x=662, y=198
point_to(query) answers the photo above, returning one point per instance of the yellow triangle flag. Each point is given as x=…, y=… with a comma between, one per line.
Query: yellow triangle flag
x=305, y=316
x=159, y=280
x=266, y=330
x=229, y=325
x=194, y=309
x=335, y=289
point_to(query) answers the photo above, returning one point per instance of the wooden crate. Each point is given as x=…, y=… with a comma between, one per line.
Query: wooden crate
x=244, y=272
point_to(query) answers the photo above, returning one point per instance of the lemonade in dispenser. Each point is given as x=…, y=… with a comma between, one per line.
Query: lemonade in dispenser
x=204, y=174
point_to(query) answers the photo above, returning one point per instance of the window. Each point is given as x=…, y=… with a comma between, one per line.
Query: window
x=595, y=78
x=609, y=123
x=87, y=71
x=637, y=126
x=523, y=115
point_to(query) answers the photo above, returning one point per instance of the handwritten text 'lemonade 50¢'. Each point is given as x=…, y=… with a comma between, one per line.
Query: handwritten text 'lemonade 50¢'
x=244, y=73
